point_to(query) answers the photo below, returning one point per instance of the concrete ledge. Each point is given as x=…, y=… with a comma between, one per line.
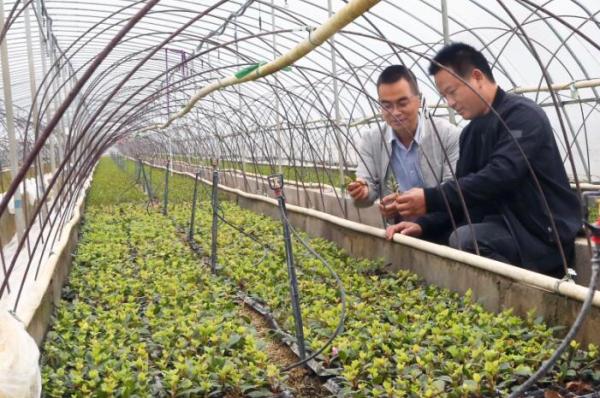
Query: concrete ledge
x=54, y=273
x=497, y=286
x=325, y=199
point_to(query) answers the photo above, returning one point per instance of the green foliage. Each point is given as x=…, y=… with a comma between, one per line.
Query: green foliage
x=593, y=213
x=328, y=175
x=401, y=336
x=140, y=317
x=112, y=186
x=139, y=304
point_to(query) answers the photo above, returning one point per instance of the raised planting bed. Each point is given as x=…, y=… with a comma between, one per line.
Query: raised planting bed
x=301, y=172
x=140, y=317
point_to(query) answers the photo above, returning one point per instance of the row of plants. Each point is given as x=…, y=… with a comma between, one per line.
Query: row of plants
x=401, y=336
x=327, y=175
x=140, y=317
x=6, y=175
x=594, y=214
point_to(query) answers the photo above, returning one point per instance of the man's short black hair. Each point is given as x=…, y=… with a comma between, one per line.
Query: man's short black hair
x=462, y=59
x=394, y=73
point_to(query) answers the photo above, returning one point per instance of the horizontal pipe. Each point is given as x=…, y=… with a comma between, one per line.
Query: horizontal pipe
x=557, y=86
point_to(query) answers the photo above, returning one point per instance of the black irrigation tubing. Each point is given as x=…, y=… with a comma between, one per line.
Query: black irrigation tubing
x=266, y=246
x=334, y=379
x=583, y=312
x=341, y=289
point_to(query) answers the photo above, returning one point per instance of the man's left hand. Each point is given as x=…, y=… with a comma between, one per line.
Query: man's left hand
x=411, y=203
x=404, y=228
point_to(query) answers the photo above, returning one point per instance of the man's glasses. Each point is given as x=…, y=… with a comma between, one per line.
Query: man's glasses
x=401, y=104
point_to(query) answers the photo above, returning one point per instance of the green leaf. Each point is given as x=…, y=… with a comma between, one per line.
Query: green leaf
x=439, y=385
x=234, y=339
x=262, y=393
x=523, y=370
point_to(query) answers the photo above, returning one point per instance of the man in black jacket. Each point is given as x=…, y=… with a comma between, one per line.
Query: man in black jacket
x=509, y=171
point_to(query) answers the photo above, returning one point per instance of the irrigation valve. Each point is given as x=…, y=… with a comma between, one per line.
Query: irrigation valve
x=276, y=184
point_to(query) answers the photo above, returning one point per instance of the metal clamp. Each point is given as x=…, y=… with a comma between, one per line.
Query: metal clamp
x=276, y=183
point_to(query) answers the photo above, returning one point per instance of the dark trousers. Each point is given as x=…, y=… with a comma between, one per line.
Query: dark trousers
x=495, y=241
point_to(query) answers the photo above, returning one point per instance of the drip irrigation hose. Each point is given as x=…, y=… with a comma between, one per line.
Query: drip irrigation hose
x=342, y=290
x=585, y=308
x=266, y=248
x=240, y=230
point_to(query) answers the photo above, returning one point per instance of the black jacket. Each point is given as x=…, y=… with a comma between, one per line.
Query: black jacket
x=494, y=176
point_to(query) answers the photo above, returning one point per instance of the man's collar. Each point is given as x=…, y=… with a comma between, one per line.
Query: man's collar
x=391, y=136
x=500, y=94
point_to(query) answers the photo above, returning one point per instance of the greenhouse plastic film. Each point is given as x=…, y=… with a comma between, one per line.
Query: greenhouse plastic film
x=19, y=356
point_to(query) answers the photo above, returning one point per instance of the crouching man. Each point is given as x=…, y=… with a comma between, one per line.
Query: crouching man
x=510, y=172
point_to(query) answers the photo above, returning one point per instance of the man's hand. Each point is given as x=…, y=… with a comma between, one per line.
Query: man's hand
x=387, y=205
x=404, y=228
x=358, y=190
x=411, y=203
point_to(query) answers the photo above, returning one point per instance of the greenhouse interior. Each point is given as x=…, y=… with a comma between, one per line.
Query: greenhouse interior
x=300, y=198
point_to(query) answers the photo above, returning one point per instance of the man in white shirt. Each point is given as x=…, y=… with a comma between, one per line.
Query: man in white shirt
x=412, y=150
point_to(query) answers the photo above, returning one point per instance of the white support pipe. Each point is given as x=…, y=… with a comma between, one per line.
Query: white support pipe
x=10, y=127
x=557, y=86
x=59, y=132
x=343, y=17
